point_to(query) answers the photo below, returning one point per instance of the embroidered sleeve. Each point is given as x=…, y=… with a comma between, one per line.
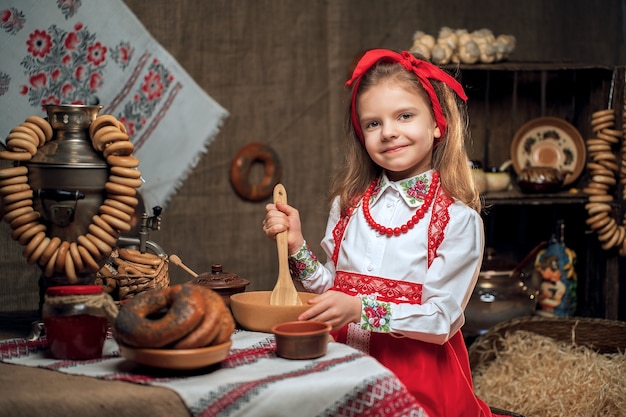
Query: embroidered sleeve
x=303, y=263
x=375, y=315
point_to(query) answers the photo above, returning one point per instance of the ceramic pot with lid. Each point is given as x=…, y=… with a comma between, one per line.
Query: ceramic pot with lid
x=501, y=293
x=223, y=283
x=541, y=179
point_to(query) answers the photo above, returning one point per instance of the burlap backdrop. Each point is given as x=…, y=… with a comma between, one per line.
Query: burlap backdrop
x=278, y=67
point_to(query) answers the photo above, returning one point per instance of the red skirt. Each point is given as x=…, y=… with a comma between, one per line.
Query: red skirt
x=438, y=376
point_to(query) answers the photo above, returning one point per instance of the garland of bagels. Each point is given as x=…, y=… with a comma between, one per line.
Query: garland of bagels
x=84, y=255
x=606, y=164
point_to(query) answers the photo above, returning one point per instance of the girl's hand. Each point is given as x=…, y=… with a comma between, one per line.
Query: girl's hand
x=280, y=217
x=335, y=308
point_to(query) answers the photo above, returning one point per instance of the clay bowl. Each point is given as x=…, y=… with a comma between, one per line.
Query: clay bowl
x=301, y=339
x=497, y=180
x=253, y=311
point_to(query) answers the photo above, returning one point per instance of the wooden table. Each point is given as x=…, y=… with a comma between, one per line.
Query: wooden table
x=252, y=380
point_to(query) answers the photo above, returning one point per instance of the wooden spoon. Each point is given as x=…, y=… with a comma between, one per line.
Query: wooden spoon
x=178, y=262
x=284, y=292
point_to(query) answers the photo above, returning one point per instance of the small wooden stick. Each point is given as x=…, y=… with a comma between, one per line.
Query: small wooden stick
x=178, y=262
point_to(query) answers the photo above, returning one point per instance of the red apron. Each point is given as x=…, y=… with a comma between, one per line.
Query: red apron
x=438, y=376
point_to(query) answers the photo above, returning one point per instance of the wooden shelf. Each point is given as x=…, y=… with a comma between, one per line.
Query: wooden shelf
x=520, y=198
x=502, y=97
x=527, y=66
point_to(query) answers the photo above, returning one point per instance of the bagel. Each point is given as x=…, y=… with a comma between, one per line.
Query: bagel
x=123, y=161
x=120, y=148
x=600, y=113
x=112, y=211
x=116, y=223
x=21, y=220
x=120, y=189
x=102, y=121
x=43, y=125
x=242, y=164
x=77, y=260
x=102, y=234
x=133, y=255
x=18, y=144
x=13, y=214
x=104, y=248
x=228, y=327
x=49, y=268
x=89, y=245
x=141, y=322
x=97, y=220
x=59, y=265
x=14, y=188
x=54, y=244
x=129, y=182
x=118, y=205
x=13, y=172
x=88, y=259
x=34, y=257
x=126, y=172
x=15, y=156
x=30, y=232
x=70, y=269
x=17, y=233
x=41, y=135
x=126, y=199
x=18, y=204
x=25, y=134
x=210, y=326
x=33, y=244
x=19, y=179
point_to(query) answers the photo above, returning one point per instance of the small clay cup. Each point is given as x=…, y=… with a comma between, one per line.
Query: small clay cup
x=301, y=339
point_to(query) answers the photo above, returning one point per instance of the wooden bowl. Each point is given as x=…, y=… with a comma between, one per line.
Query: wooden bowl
x=301, y=339
x=253, y=311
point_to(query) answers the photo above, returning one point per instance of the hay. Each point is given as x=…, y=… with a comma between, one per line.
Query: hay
x=538, y=376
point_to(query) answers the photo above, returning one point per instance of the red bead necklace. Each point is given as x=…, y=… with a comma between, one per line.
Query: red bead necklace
x=419, y=213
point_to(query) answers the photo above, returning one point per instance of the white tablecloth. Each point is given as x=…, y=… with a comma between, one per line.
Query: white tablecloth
x=251, y=381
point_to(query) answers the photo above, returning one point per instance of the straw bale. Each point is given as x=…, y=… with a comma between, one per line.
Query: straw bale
x=540, y=377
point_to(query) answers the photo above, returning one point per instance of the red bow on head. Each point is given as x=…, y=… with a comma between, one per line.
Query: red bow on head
x=424, y=71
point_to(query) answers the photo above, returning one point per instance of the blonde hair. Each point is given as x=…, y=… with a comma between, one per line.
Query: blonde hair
x=450, y=157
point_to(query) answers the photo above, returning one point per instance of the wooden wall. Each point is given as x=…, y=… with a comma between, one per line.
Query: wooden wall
x=278, y=66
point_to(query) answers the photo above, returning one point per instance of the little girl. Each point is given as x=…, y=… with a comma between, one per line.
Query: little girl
x=404, y=238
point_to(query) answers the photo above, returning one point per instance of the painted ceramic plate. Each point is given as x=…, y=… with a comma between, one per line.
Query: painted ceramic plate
x=180, y=359
x=549, y=142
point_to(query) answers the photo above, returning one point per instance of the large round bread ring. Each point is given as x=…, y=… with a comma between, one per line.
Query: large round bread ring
x=139, y=322
x=211, y=324
x=242, y=164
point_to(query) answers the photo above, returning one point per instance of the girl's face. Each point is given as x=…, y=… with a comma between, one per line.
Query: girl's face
x=398, y=129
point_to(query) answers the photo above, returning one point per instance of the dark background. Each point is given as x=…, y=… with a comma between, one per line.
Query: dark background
x=278, y=66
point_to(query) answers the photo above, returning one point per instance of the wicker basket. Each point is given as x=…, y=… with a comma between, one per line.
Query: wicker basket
x=123, y=287
x=604, y=336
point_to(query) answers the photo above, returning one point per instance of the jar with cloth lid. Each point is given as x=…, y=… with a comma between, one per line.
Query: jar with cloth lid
x=76, y=319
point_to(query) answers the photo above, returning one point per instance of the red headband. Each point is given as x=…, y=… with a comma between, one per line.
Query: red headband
x=424, y=71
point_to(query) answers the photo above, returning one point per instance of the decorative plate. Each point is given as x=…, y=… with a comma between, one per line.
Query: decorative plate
x=549, y=142
x=179, y=359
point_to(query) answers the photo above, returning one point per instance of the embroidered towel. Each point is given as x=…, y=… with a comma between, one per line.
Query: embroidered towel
x=98, y=52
